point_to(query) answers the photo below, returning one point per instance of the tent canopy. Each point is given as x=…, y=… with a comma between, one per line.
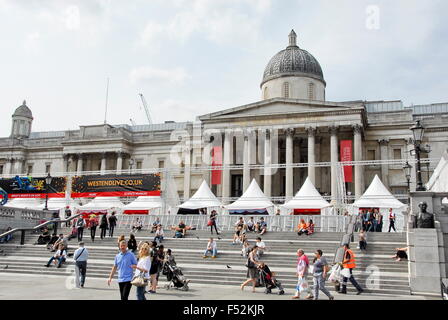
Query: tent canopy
x=59, y=203
x=102, y=204
x=24, y=203
x=145, y=203
x=377, y=196
x=307, y=198
x=252, y=199
x=439, y=179
x=203, y=198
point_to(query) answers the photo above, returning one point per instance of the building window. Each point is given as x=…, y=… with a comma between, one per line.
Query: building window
x=397, y=154
x=47, y=168
x=266, y=93
x=161, y=164
x=311, y=94
x=286, y=90
x=371, y=155
x=139, y=164
x=1, y=169
x=29, y=170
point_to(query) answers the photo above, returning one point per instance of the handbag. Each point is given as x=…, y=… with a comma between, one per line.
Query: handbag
x=209, y=223
x=139, y=280
x=250, y=264
x=335, y=273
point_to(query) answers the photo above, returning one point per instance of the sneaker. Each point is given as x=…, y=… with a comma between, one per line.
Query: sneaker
x=309, y=297
x=204, y=257
x=331, y=298
x=213, y=257
x=295, y=297
x=359, y=292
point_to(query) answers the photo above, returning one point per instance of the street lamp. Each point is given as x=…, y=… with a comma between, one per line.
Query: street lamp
x=417, y=131
x=407, y=168
x=48, y=179
x=131, y=163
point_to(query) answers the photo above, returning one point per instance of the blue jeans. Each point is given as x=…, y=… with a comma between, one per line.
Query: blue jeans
x=61, y=261
x=214, y=252
x=158, y=238
x=141, y=293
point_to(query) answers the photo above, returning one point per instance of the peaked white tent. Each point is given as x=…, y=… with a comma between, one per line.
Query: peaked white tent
x=439, y=179
x=59, y=204
x=24, y=203
x=307, y=198
x=377, y=196
x=445, y=201
x=101, y=205
x=203, y=198
x=252, y=199
x=144, y=205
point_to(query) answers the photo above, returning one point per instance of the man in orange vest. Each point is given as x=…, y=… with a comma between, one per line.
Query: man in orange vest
x=349, y=263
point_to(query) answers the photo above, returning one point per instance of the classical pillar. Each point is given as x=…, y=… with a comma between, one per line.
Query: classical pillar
x=267, y=163
x=80, y=163
x=187, y=172
x=65, y=163
x=103, y=163
x=119, y=162
x=289, y=174
x=384, y=166
x=18, y=166
x=71, y=161
x=246, y=161
x=8, y=167
x=297, y=172
x=207, y=159
x=311, y=154
x=357, y=137
x=226, y=163
x=334, y=162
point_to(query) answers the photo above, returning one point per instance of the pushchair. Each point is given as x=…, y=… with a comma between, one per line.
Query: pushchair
x=267, y=278
x=174, y=276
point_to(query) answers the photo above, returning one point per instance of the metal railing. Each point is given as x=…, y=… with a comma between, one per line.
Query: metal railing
x=227, y=222
x=55, y=222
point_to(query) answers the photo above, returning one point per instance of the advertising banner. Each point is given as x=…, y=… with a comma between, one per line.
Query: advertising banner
x=32, y=187
x=132, y=185
x=216, y=161
x=347, y=155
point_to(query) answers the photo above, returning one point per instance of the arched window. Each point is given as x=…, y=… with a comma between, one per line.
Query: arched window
x=266, y=93
x=286, y=90
x=311, y=94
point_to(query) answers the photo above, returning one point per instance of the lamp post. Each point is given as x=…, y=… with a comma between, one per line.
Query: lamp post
x=131, y=163
x=417, y=132
x=48, y=179
x=407, y=168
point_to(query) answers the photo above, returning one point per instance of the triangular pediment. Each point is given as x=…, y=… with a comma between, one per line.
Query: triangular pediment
x=279, y=106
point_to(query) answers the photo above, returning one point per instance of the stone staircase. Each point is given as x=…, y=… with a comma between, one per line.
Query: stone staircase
x=281, y=258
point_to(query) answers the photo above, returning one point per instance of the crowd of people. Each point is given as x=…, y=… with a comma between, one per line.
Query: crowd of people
x=371, y=220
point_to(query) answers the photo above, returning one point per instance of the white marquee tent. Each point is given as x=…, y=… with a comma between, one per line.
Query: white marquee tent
x=307, y=198
x=101, y=205
x=144, y=205
x=377, y=196
x=59, y=204
x=203, y=198
x=24, y=203
x=252, y=199
x=439, y=179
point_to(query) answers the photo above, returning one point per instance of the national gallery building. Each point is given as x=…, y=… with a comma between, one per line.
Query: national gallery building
x=291, y=133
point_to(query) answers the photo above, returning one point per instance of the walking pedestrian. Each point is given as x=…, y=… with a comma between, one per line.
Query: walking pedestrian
x=320, y=269
x=363, y=240
x=112, y=224
x=124, y=262
x=158, y=256
x=302, y=272
x=93, y=223
x=80, y=257
x=349, y=263
x=103, y=226
x=80, y=224
x=212, y=221
x=252, y=265
x=391, y=220
x=143, y=266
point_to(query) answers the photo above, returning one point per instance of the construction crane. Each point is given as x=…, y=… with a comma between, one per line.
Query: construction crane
x=145, y=105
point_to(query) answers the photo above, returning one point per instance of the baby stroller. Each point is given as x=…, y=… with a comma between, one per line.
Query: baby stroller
x=174, y=276
x=269, y=281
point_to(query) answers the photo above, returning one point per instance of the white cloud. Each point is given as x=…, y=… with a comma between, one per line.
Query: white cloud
x=147, y=74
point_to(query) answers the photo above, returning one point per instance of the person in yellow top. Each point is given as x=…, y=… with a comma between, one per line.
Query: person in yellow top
x=302, y=227
x=349, y=263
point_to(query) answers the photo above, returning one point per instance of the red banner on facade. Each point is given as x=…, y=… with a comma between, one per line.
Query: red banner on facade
x=216, y=162
x=347, y=155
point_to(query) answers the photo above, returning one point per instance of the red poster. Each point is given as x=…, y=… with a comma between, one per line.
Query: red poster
x=216, y=162
x=347, y=155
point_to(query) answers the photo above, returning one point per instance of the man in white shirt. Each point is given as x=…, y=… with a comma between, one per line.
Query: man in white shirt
x=212, y=248
x=261, y=247
x=250, y=224
x=60, y=256
x=80, y=256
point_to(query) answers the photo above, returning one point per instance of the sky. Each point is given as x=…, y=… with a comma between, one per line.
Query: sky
x=192, y=57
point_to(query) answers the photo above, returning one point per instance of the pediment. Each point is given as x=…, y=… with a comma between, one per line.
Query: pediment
x=278, y=107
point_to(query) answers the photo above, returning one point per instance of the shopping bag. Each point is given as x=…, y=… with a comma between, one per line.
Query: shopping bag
x=345, y=272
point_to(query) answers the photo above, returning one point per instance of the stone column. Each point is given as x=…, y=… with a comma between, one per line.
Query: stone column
x=65, y=163
x=227, y=152
x=357, y=137
x=187, y=172
x=103, y=163
x=267, y=163
x=80, y=163
x=384, y=166
x=334, y=161
x=119, y=162
x=311, y=154
x=8, y=166
x=246, y=162
x=297, y=159
x=289, y=179
x=18, y=166
x=207, y=159
x=71, y=161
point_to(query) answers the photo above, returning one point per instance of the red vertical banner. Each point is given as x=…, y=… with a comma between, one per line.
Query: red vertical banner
x=347, y=155
x=216, y=162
